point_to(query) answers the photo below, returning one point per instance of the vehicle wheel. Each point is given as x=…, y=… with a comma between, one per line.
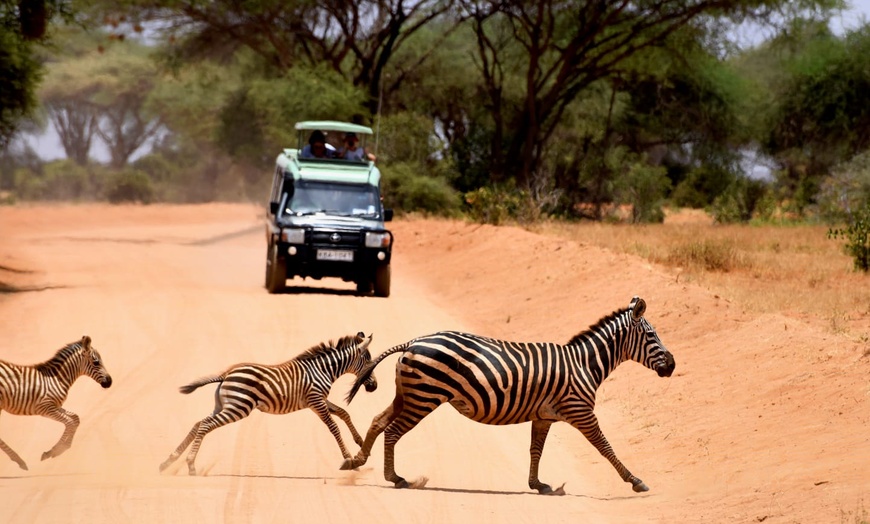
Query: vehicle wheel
x=276, y=271
x=382, y=281
x=364, y=288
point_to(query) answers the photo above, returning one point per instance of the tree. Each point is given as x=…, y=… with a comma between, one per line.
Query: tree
x=536, y=58
x=103, y=94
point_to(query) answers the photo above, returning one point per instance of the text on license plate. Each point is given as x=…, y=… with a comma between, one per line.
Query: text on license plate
x=335, y=254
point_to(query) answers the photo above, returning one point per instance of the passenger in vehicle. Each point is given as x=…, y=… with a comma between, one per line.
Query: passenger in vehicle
x=352, y=149
x=316, y=147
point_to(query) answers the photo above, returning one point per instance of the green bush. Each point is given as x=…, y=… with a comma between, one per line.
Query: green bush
x=407, y=188
x=130, y=186
x=644, y=187
x=743, y=199
x=857, y=236
x=846, y=190
x=498, y=204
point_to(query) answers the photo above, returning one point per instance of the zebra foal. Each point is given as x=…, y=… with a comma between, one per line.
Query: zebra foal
x=41, y=389
x=302, y=382
x=498, y=382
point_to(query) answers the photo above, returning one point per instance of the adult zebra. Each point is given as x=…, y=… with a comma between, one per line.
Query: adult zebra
x=498, y=382
x=41, y=389
x=302, y=382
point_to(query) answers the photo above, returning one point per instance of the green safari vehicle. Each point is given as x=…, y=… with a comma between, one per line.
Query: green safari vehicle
x=325, y=216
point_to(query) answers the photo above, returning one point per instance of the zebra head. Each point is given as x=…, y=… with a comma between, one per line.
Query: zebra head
x=363, y=360
x=93, y=364
x=644, y=345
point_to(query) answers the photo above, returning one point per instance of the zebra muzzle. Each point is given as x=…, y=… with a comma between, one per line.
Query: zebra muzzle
x=666, y=367
x=107, y=382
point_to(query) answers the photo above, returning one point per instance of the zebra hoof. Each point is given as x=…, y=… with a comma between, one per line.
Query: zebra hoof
x=348, y=464
x=23, y=466
x=402, y=484
x=47, y=455
x=638, y=486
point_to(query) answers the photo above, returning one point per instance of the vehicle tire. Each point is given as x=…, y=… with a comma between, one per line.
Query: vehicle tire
x=364, y=288
x=382, y=281
x=276, y=271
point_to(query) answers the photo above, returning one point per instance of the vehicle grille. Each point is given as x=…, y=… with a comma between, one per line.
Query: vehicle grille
x=326, y=238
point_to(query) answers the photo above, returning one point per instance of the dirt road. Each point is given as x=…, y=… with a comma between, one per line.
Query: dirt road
x=760, y=422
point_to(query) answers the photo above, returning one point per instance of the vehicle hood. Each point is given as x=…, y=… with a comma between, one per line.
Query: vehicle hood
x=332, y=222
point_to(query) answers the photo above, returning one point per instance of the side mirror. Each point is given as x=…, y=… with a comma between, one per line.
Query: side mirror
x=388, y=215
x=273, y=207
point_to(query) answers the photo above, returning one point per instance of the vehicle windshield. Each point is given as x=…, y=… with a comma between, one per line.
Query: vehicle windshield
x=310, y=198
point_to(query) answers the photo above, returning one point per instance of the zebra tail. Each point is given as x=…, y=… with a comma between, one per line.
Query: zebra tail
x=199, y=383
x=370, y=368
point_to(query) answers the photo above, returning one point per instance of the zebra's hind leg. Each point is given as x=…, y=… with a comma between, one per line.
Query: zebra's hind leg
x=181, y=447
x=343, y=415
x=14, y=456
x=410, y=417
x=540, y=429
x=71, y=421
x=379, y=424
x=207, y=425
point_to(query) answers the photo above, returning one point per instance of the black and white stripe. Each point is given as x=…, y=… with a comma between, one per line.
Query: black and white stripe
x=303, y=382
x=499, y=382
x=41, y=389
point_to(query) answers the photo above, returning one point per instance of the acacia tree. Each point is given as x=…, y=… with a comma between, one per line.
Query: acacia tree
x=535, y=58
x=354, y=37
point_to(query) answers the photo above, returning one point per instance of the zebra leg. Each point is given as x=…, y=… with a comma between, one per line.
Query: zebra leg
x=207, y=425
x=14, y=456
x=401, y=425
x=540, y=429
x=321, y=407
x=71, y=421
x=343, y=415
x=590, y=429
x=181, y=447
x=379, y=424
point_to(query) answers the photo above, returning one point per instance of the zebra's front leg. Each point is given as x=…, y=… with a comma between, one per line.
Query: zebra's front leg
x=540, y=429
x=180, y=449
x=590, y=429
x=379, y=424
x=343, y=415
x=321, y=407
x=70, y=421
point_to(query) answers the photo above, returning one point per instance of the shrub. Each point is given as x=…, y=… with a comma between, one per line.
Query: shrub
x=706, y=254
x=500, y=203
x=130, y=186
x=846, y=190
x=644, y=187
x=407, y=188
x=857, y=236
x=741, y=201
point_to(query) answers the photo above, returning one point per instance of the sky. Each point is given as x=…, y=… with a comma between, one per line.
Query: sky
x=48, y=147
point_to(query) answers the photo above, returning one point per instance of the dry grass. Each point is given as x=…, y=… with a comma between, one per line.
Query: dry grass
x=795, y=270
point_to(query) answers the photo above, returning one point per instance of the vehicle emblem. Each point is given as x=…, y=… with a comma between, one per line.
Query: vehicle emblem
x=335, y=238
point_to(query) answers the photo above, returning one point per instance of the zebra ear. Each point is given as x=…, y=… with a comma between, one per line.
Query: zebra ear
x=366, y=341
x=637, y=307
x=86, y=342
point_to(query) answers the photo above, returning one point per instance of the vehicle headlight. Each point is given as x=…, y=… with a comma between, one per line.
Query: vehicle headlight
x=377, y=239
x=293, y=236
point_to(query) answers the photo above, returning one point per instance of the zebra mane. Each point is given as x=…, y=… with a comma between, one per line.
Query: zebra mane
x=325, y=348
x=606, y=319
x=63, y=354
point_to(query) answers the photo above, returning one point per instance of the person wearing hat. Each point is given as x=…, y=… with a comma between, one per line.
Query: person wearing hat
x=352, y=150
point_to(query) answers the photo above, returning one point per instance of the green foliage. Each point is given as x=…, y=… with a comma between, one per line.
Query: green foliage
x=498, y=204
x=857, y=237
x=60, y=180
x=406, y=188
x=644, y=187
x=740, y=202
x=846, y=190
x=130, y=186
x=20, y=73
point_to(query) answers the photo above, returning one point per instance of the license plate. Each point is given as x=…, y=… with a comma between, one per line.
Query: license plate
x=335, y=255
